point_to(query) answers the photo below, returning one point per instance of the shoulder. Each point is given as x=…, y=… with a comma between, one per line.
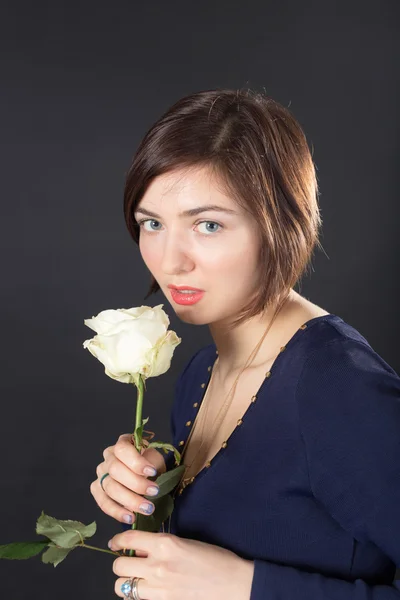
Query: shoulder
x=334, y=345
x=348, y=402
x=345, y=386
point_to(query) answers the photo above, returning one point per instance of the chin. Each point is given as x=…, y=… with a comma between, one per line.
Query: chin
x=188, y=314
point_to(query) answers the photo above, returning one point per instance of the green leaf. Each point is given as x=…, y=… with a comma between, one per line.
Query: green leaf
x=20, y=550
x=55, y=555
x=139, y=429
x=138, y=433
x=167, y=448
x=163, y=508
x=168, y=481
x=163, y=504
x=65, y=534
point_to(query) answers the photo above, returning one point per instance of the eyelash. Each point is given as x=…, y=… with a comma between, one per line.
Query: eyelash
x=140, y=223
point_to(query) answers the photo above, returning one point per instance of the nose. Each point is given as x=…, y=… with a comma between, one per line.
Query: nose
x=175, y=255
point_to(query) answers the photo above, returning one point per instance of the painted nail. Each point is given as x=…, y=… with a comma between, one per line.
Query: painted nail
x=127, y=519
x=150, y=471
x=146, y=508
x=152, y=490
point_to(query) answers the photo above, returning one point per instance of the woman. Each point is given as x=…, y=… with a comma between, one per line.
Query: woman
x=289, y=422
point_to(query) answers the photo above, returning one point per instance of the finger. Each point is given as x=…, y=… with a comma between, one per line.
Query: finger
x=137, y=539
x=107, y=452
x=125, y=451
x=156, y=458
x=127, y=566
x=101, y=469
x=109, y=506
x=123, y=497
x=130, y=500
x=142, y=586
x=118, y=585
x=139, y=484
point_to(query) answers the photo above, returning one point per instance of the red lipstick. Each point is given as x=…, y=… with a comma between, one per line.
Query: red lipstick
x=185, y=287
x=186, y=297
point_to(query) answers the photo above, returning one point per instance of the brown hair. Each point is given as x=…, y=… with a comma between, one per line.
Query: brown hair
x=259, y=152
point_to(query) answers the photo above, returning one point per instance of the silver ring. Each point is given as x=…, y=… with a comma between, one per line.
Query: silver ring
x=130, y=588
x=135, y=592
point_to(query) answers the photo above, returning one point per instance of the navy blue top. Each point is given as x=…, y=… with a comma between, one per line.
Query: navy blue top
x=308, y=486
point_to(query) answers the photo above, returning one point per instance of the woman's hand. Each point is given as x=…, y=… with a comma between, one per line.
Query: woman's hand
x=172, y=568
x=126, y=483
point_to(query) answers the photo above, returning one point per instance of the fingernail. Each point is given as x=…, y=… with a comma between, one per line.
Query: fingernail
x=127, y=519
x=150, y=471
x=110, y=544
x=152, y=490
x=147, y=508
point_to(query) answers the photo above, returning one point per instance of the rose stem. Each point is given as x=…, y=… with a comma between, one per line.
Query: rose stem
x=138, y=437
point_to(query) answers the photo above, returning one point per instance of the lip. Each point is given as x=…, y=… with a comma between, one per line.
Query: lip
x=184, y=287
x=186, y=299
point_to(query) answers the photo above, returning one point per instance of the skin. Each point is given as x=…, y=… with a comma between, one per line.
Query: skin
x=218, y=253
x=172, y=568
x=220, y=259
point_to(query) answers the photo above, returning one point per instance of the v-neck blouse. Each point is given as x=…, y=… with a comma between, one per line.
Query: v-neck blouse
x=202, y=394
x=308, y=484
x=199, y=392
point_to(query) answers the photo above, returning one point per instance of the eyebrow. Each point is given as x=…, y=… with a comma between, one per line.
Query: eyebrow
x=191, y=212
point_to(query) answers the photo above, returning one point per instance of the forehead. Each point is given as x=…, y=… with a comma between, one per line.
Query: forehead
x=187, y=187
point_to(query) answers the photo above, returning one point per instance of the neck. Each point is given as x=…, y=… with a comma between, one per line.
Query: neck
x=235, y=345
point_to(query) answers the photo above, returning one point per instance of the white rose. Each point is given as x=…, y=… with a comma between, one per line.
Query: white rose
x=132, y=342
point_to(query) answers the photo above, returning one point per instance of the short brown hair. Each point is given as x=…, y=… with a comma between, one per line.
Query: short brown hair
x=259, y=152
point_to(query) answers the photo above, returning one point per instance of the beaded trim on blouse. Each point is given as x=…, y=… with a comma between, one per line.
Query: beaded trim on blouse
x=190, y=480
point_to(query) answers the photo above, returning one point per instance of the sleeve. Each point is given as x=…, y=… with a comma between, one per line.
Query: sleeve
x=348, y=400
x=174, y=418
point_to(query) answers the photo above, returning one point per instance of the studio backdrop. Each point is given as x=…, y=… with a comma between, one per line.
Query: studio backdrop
x=81, y=83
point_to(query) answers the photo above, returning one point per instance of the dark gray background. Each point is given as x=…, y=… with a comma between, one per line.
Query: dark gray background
x=81, y=82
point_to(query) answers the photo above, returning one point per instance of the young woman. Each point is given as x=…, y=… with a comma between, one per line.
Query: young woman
x=289, y=422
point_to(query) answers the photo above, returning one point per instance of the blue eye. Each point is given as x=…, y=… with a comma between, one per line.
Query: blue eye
x=151, y=230
x=141, y=223
x=212, y=223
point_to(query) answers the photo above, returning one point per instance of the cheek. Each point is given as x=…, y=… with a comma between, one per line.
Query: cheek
x=237, y=266
x=149, y=254
x=241, y=254
x=234, y=271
